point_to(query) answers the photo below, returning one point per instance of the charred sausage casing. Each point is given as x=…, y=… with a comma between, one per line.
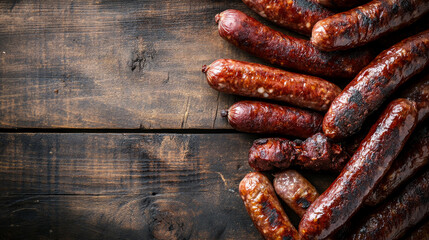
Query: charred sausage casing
x=367, y=166
x=256, y=80
x=252, y=36
x=264, y=208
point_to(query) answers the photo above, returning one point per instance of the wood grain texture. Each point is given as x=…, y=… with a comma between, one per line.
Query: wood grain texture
x=134, y=186
x=112, y=64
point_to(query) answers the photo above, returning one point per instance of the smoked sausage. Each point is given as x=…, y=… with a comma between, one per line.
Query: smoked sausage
x=261, y=117
x=297, y=15
x=296, y=191
x=316, y=153
x=252, y=36
x=364, y=170
x=368, y=90
x=419, y=93
x=256, y=80
x=366, y=23
x=340, y=3
x=392, y=219
x=264, y=208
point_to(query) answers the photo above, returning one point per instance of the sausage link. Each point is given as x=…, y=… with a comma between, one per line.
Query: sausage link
x=297, y=15
x=316, y=153
x=374, y=84
x=261, y=117
x=360, y=175
x=340, y=3
x=421, y=233
x=296, y=191
x=413, y=157
x=264, y=208
x=419, y=93
x=366, y=23
x=252, y=36
x=391, y=220
x=256, y=80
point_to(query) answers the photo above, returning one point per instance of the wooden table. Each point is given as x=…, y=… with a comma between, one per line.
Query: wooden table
x=109, y=129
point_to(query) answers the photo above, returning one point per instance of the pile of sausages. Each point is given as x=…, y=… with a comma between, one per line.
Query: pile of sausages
x=373, y=133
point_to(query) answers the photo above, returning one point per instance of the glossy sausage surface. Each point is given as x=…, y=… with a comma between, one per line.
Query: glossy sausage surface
x=366, y=23
x=297, y=15
x=264, y=208
x=252, y=36
x=374, y=84
x=256, y=80
x=262, y=117
x=316, y=153
x=296, y=191
x=367, y=166
x=392, y=219
x=419, y=93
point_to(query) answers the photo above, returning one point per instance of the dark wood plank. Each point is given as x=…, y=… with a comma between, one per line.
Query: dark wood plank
x=111, y=64
x=126, y=186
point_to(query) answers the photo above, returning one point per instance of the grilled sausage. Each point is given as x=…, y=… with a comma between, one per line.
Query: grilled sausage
x=367, y=166
x=261, y=117
x=414, y=157
x=286, y=51
x=316, y=153
x=264, y=208
x=392, y=219
x=295, y=190
x=340, y=3
x=374, y=84
x=366, y=23
x=256, y=80
x=419, y=93
x=421, y=233
x=297, y=15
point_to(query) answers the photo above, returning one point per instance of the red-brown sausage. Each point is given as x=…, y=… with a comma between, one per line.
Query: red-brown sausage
x=374, y=84
x=413, y=157
x=297, y=15
x=286, y=51
x=360, y=175
x=366, y=23
x=421, y=233
x=296, y=191
x=256, y=80
x=316, y=153
x=261, y=117
x=419, y=93
x=264, y=208
x=391, y=220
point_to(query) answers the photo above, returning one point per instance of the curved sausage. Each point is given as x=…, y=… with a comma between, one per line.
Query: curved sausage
x=297, y=15
x=374, y=84
x=340, y=3
x=316, y=153
x=419, y=93
x=413, y=157
x=256, y=80
x=261, y=117
x=391, y=220
x=366, y=23
x=296, y=191
x=286, y=51
x=264, y=208
x=367, y=166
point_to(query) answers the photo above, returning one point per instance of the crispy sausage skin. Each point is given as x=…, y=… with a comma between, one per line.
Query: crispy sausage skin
x=392, y=219
x=261, y=117
x=252, y=36
x=297, y=15
x=316, y=153
x=366, y=23
x=256, y=80
x=374, y=84
x=413, y=157
x=296, y=191
x=419, y=93
x=360, y=175
x=264, y=208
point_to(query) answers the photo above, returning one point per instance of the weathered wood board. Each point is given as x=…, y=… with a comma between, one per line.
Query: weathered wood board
x=112, y=64
x=127, y=186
